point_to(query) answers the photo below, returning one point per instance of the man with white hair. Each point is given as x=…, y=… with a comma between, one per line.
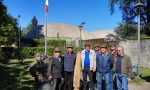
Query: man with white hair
x=123, y=69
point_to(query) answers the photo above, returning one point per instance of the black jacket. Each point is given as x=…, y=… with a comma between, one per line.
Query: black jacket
x=55, y=67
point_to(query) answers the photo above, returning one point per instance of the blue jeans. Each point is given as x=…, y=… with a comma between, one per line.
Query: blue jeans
x=106, y=78
x=111, y=80
x=122, y=82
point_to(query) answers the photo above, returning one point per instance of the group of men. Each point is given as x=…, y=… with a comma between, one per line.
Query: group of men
x=111, y=66
x=96, y=65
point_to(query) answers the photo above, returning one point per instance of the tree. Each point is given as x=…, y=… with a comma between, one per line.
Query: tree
x=129, y=13
x=34, y=22
x=30, y=26
x=126, y=31
x=8, y=26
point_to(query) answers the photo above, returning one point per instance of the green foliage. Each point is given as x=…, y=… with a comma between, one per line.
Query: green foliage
x=8, y=26
x=30, y=26
x=26, y=30
x=34, y=22
x=51, y=42
x=5, y=54
x=29, y=52
x=126, y=31
x=143, y=36
x=7, y=35
x=145, y=76
x=129, y=12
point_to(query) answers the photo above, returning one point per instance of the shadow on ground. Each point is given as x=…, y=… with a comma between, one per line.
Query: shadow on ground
x=147, y=78
x=14, y=76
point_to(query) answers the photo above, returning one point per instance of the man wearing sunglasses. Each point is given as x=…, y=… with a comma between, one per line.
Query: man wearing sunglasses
x=122, y=68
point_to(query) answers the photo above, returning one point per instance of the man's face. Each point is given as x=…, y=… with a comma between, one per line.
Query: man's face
x=112, y=48
x=96, y=48
x=103, y=50
x=119, y=51
x=57, y=53
x=87, y=48
x=69, y=49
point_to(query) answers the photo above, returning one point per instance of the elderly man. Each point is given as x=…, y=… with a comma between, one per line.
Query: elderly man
x=88, y=66
x=122, y=68
x=54, y=70
x=69, y=64
x=103, y=61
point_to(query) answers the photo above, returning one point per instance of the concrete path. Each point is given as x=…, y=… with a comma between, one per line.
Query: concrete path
x=142, y=86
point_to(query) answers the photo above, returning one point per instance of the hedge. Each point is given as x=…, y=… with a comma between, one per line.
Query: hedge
x=51, y=42
x=29, y=52
x=8, y=53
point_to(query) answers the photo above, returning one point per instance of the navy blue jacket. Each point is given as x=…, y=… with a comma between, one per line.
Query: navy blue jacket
x=103, y=63
x=69, y=61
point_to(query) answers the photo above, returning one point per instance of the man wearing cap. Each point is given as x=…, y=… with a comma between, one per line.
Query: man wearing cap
x=69, y=64
x=54, y=71
x=112, y=54
x=103, y=61
x=88, y=66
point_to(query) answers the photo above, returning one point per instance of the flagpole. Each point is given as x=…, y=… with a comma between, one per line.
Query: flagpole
x=46, y=17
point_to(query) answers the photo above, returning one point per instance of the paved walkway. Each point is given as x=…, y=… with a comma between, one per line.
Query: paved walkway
x=142, y=86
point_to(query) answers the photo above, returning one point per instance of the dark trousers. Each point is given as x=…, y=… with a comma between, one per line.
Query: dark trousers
x=88, y=73
x=68, y=80
x=56, y=84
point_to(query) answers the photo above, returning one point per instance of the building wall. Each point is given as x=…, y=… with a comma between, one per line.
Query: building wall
x=130, y=47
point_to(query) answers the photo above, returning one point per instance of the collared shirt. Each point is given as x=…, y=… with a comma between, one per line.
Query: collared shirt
x=118, y=66
x=87, y=59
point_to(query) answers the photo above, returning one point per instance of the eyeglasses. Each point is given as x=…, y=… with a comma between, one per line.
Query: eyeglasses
x=118, y=50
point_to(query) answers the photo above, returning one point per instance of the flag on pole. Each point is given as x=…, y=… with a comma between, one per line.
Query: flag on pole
x=46, y=6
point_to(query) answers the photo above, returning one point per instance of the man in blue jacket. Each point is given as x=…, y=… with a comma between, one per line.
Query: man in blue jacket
x=103, y=61
x=69, y=64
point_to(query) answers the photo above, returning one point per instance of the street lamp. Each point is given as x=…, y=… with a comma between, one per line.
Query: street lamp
x=80, y=28
x=138, y=7
x=19, y=27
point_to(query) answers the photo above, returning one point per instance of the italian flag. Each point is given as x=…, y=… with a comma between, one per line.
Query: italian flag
x=46, y=6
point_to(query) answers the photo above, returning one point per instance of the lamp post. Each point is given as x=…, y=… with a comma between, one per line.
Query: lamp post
x=80, y=28
x=19, y=27
x=138, y=7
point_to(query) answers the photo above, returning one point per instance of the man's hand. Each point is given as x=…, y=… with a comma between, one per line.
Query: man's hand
x=50, y=77
x=94, y=69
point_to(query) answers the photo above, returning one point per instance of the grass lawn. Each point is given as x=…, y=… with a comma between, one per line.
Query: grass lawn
x=145, y=77
x=15, y=76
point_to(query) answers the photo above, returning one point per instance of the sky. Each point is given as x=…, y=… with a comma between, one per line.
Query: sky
x=95, y=13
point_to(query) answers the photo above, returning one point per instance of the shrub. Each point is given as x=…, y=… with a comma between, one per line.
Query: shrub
x=51, y=42
x=29, y=52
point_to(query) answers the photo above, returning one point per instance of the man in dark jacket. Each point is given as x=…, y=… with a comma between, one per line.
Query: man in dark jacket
x=55, y=68
x=69, y=64
x=123, y=69
x=103, y=61
x=113, y=54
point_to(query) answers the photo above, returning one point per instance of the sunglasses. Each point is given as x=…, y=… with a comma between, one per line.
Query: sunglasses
x=118, y=50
